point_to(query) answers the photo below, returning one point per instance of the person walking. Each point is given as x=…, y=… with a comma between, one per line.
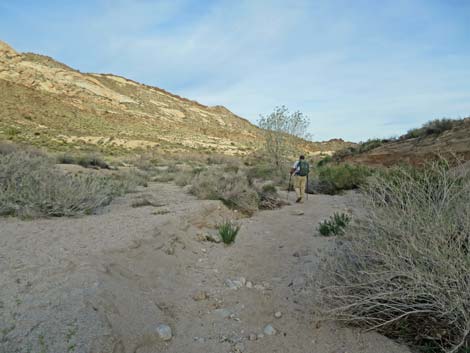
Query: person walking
x=300, y=172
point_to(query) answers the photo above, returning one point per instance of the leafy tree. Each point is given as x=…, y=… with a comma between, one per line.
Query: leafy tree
x=282, y=132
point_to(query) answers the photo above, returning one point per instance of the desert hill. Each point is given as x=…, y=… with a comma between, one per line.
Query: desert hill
x=49, y=104
x=437, y=138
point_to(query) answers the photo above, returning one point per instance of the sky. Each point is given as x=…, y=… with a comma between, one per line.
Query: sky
x=358, y=69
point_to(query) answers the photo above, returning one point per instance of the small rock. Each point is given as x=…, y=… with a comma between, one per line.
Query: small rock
x=231, y=284
x=269, y=330
x=259, y=287
x=164, y=332
x=213, y=239
x=200, y=295
x=260, y=336
x=222, y=313
x=239, y=347
x=199, y=339
x=277, y=314
x=238, y=284
x=242, y=281
x=252, y=337
x=249, y=284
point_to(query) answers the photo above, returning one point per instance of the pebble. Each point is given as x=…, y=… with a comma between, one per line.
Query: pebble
x=222, y=313
x=258, y=287
x=277, y=314
x=252, y=337
x=260, y=336
x=249, y=284
x=200, y=295
x=239, y=347
x=164, y=332
x=269, y=330
x=231, y=284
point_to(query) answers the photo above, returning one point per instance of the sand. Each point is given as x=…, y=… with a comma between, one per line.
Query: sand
x=104, y=283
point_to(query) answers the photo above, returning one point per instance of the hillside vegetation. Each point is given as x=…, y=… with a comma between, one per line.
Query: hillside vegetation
x=48, y=104
x=439, y=137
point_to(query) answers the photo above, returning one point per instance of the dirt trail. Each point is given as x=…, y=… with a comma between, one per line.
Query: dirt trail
x=104, y=283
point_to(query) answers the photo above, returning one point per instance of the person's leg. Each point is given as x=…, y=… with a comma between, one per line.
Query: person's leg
x=297, y=187
x=302, y=184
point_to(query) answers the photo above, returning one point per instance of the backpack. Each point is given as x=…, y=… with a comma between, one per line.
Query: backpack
x=304, y=168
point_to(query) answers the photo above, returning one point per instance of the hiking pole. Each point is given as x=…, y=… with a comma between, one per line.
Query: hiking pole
x=306, y=188
x=288, y=188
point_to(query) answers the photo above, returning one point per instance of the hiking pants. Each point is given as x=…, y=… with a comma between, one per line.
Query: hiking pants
x=299, y=184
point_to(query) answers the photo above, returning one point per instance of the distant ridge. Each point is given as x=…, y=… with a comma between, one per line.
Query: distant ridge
x=49, y=104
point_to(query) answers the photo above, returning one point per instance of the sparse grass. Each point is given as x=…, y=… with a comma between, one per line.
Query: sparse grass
x=332, y=179
x=335, y=225
x=228, y=231
x=404, y=269
x=31, y=186
x=12, y=132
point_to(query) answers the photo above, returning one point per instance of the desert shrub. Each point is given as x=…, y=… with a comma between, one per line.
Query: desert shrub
x=129, y=181
x=184, y=178
x=269, y=198
x=86, y=160
x=231, y=188
x=262, y=171
x=163, y=175
x=228, y=231
x=369, y=145
x=92, y=161
x=332, y=179
x=404, y=270
x=433, y=127
x=324, y=161
x=30, y=186
x=335, y=225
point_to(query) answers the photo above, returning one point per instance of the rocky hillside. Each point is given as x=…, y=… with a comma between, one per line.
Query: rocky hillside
x=49, y=104
x=454, y=140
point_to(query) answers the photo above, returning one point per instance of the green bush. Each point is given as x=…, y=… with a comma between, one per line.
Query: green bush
x=332, y=179
x=404, y=270
x=228, y=231
x=324, y=161
x=335, y=225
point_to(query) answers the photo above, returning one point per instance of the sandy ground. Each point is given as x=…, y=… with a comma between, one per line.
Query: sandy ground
x=103, y=283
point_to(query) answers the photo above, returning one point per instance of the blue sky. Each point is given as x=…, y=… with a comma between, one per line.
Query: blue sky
x=357, y=68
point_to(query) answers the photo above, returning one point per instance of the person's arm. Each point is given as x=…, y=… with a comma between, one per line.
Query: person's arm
x=294, y=168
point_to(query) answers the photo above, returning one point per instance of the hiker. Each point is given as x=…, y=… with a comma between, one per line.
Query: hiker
x=300, y=172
